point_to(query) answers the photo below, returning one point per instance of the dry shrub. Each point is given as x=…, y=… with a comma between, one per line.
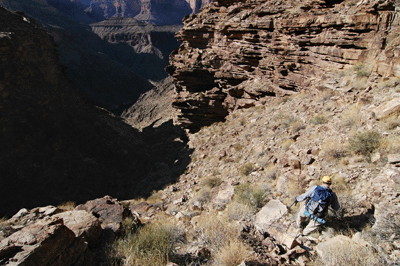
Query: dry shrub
x=215, y=232
x=286, y=143
x=284, y=120
x=390, y=144
x=203, y=196
x=247, y=169
x=232, y=254
x=347, y=253
x=238, y=212
x=150, y=245
x=365, y=143
x=67, y=206
x=155, y=197
x=270, y=172
x=351, y=117
x=318, y=120
x=332, y=151
x=361, y=70
x=212, y=181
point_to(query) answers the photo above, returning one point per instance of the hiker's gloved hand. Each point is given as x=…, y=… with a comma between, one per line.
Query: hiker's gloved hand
x=295, y=201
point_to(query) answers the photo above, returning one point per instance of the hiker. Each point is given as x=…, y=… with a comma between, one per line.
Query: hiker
x=318, y=199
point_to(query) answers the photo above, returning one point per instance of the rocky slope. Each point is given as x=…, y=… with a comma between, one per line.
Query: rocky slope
x=245, y=172
x=153, y=108
x=152, y=44
x=236, y=53
x=56, y=147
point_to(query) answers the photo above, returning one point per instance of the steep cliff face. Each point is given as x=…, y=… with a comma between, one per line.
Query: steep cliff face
x=152, y=44
x=101, y=71
x=159, y=12
x=163, y=12
x=117, y=8
x=235, y=53
x=54, y=147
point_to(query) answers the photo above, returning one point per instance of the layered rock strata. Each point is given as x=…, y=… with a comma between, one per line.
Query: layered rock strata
x=235, y=53
x=160, y=12
x=152, y=44
x=117, y=8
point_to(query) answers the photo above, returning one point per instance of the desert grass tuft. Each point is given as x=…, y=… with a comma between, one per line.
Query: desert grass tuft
x=67, y=206
x=212, y=181
x=348, y=253
x=333, y=151
x=216, y=232
x=152, y=244
x=232, y=254
x=239, y=212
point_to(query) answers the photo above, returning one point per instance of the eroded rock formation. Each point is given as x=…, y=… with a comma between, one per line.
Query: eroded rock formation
x=160, y=12
x=152, y=44
x=235, y=53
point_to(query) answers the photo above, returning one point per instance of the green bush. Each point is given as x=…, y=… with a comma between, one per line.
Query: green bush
x=318, y=120
x=365, y=143
x=250, y=195
x=247, y=169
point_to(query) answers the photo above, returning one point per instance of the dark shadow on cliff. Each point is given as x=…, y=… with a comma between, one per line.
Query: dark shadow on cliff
x=169, y=155
x=67, y=158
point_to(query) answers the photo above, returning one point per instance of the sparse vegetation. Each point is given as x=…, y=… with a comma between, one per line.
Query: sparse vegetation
x=232, y=254
x=238, y=211
x=150, y=245
x=318, y=119
x=361, y=70
x=213, y=181
x=333, y=151
x=67, y=206
x=250, y=195
x=349, y=253
x=365, y=143
x=215, y=232
x=247, y=169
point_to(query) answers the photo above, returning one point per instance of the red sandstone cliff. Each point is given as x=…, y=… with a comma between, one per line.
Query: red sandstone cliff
x=235, y=53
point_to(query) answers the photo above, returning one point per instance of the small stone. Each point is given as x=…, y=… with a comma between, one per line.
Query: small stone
x=375, y=157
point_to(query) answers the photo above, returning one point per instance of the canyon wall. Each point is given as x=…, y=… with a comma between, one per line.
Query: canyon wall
x=235, y=53
x=159, y=12
x=56, y=147
x=152, y=44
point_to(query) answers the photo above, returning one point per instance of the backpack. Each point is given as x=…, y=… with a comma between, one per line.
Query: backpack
x=319, y=202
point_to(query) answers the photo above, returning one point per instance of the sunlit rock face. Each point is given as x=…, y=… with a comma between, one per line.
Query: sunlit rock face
x=235, y=53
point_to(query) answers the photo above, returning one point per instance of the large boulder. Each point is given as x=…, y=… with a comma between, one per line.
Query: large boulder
x=46, y=242
x=267, y=221
x=83, y=224
x=109, y=211
x=269, y=215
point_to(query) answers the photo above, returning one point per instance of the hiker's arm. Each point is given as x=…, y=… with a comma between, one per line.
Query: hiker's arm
x=335, y=202
x=306, y=195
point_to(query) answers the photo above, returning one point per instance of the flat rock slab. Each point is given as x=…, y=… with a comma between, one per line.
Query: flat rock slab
x=267, y=221
x=388, y=108
x=269, y=214
x=83, y=224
